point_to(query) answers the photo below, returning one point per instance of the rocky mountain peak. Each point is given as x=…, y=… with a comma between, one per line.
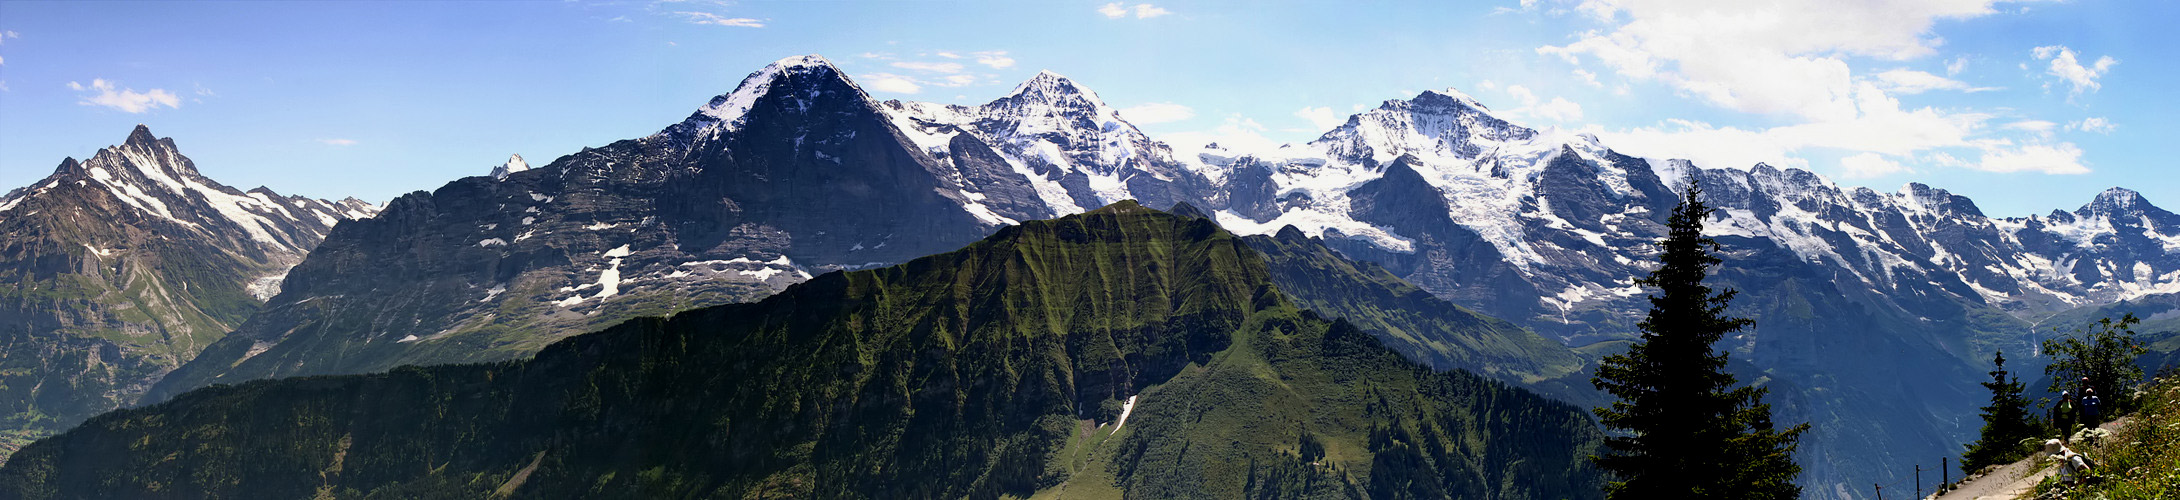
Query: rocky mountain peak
x=795, y=82
x=1939, y=200
x=2115, y=201
x=1052, y=88
x=1437, y=125
x=140, y=136
x=1450, y=97
x=514, y=164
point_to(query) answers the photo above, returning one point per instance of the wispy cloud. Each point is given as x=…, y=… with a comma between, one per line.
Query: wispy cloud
x=1794, y=61
x=103, y=93
x=888, y=82
x=1117, y=10
x=338, y=142
x=929, y=67
x=2095, y=124
x=1323, y=118
x=997, y=59
x=1911, y=82
x=719, y=20
x=1557, y=109
x=2067, y=67
x=1157, y=112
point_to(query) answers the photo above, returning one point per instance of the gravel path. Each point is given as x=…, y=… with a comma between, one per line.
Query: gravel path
x=2014, y=480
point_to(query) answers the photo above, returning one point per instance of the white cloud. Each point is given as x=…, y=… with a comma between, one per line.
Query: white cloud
x=1868, y=165
x=126, y=100
x=719, y=20
x=338, y=142
x=1323, y=118
x=886, y=82
x=929, y=67
x=1117, y=10
x=1235, y=133
x=948, y=55
x=2093, y=124
x=1521, y=94
x=1880, y=126
x=2066, y=66
x=1558, y=109
x=1784, y=57
x=1795, y=62
x=1910, y=82
x=1157, y=112
x=1588, y=77
x=2036, y=126
x=997, y=59
x=2004, y=156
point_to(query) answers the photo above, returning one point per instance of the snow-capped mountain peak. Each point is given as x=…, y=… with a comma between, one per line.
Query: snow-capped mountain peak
x=1439, y=125
x=514, y=164
x=1053, y=88
x=1456, y=95
x=801, y=80
x=2117, y=202
x=147, y=174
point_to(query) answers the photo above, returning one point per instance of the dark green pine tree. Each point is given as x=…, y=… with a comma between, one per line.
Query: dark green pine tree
x=2005, y=423
x=1687, y=428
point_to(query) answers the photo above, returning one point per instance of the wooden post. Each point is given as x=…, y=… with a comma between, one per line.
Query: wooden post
x=1945, y=471
x=1918, y=481
x=1880, y=491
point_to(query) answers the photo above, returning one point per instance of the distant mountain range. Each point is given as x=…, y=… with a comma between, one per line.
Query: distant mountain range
x=1121, y=352
x=117, y=269
x=1876, y=312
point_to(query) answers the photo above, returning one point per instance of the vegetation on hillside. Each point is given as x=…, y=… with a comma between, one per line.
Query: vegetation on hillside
x=1691, y=430
x=2142, y=460
x=2009, y=430
x=2099, y=357
x=1000, y=370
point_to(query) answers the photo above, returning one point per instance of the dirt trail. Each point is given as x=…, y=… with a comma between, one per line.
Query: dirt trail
x=2013, y=480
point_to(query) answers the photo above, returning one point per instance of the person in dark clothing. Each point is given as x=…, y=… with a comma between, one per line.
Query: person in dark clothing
x=2092, y=408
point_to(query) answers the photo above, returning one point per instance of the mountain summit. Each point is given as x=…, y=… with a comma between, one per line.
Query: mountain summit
x=121, y=267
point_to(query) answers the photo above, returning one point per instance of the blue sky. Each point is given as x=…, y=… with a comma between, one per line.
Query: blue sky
x=2025, y=106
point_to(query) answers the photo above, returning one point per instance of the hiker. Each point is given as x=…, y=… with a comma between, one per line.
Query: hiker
x=2092, y=408
x=2073, y=467
x=2064, y=413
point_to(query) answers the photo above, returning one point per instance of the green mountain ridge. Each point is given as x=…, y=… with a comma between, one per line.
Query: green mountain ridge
x=995, y=370
x=1411, y=320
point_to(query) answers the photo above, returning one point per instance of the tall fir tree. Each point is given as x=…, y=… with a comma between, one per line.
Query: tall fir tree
x=2005, y=423
x=1687, y=428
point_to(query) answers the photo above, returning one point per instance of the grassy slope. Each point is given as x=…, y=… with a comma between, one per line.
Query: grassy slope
x=984, y=372
x=2142, y=460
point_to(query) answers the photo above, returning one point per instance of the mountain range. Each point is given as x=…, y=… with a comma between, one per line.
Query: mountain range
x=117, y=269
x=1121, y=352
x=1875, y=311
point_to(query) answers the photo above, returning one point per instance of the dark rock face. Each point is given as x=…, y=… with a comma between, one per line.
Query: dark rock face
x=793, y=174
x=121, y=267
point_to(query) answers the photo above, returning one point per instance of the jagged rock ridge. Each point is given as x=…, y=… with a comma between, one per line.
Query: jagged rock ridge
x=121, y=267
